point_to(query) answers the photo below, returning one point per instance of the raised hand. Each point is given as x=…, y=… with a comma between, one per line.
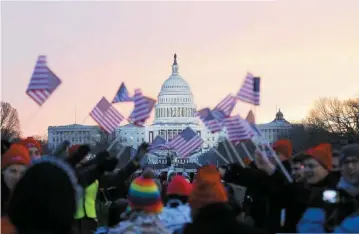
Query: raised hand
x=141, y=152
x=263, y=163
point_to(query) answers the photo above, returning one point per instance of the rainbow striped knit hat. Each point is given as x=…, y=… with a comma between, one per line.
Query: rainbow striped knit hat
x=145, y=195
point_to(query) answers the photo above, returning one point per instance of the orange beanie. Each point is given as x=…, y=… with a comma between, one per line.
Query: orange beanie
x=31, y=142
x=284, y=147
x=16, y=154
x=323, y=154
x=207, y=188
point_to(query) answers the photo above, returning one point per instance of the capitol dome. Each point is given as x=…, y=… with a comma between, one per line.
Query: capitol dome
x=175, y=84
x=175, y=100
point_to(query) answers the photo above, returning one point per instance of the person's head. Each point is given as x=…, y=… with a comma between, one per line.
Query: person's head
x=317, y=162
x=207, y=189
x=14, y=163
x=179, y=188
x=115, y=212
x=144, y=195
x=297, y=169
x=349, y=163
x=44, y=200
x=33, y=146
x=283, y=149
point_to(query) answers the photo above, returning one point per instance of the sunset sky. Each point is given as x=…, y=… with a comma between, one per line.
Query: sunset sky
x=303, y=50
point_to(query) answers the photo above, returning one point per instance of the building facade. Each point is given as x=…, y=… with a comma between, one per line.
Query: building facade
x=277, y=129
x=74, y=133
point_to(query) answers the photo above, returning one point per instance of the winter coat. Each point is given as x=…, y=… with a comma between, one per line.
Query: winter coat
x=175, y=217
x=140, y=223
x=217, y=219
x=313, y=221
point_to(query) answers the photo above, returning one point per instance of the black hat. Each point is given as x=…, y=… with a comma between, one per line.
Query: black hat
x=349, y=150
x=45, y=198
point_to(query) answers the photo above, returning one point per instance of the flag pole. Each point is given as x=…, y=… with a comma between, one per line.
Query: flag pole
x=236, y=154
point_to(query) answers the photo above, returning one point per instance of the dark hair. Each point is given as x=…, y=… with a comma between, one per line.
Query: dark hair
x=183, y=199
x=115, y=211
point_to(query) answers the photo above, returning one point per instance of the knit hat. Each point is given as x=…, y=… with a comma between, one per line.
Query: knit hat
x=283, y=147
x=321, y=153
x=351, y=150
x=207, y=188
x=16, y=154
x=49, y=189
x=179, y=186
x=31, y=142
x=145, y=195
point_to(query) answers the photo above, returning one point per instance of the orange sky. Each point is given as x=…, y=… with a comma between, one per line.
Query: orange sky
x=303, y=50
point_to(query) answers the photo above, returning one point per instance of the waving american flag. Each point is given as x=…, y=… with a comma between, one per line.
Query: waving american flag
x=224, y=108
x=250, y=90
x=106, y=116
x=186, y=142
x=213, y=124
x=237, y=129
x=142, y=110
x=43, y=82
x=122, y=95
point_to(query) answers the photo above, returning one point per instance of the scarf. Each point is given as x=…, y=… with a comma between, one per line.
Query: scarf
x=351, y=189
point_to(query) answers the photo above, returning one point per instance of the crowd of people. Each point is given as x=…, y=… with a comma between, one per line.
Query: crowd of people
x=58, y=193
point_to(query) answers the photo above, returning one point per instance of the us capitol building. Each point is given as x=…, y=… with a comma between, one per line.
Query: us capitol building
x=174, y=111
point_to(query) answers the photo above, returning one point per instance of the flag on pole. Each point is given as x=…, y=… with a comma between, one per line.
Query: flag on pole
x=209, y=120
x=186, y=142
x=43, y=82
x=237, y=130
x=158, y=144
x=250, y=90
x=106, y=116
x=142, y=110
x=225, y=107
x=122, y=95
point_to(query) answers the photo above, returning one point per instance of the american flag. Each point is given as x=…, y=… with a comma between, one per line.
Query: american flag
x=209, y=120
x=106, y=116
x=225, y=107
x=43, y=82
x=186, y=142
x=142, y=110
x=122, y=95
x=250, y=90
x=237, y=129
x=158, y=143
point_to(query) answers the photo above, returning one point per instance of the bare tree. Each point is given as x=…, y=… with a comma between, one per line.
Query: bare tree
x=304, y=136
x=10, y=123
x=336, y=117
